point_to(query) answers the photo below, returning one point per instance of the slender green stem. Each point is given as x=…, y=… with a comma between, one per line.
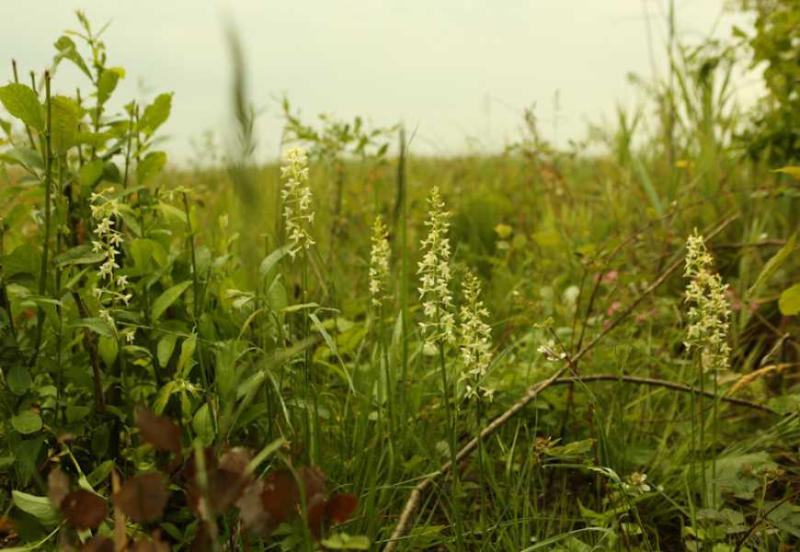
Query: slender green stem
x=48, y=176
x=451, y=423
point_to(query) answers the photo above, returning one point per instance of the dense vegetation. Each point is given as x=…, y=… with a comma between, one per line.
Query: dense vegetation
x=223, y=358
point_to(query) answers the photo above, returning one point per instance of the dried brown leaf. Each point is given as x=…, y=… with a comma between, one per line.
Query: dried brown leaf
x=57, y=486
x=143, y=497
x=84, y=509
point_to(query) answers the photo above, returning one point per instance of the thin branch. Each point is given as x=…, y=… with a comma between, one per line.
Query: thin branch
x=662, y=383
x=532, y=392
x=763, y=518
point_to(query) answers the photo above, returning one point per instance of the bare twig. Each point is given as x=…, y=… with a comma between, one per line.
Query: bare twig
x=661, y=383
x=763, y=518
x=531, y=393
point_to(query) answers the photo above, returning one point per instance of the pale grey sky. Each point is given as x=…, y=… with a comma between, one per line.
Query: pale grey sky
x=454, y=69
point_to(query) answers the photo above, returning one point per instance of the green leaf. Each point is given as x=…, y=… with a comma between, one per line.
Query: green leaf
x=107, y=83
x=100, y=473
x=163, y=396
x=165, y=348
x=108, y=347
x=272, y=260
x=794, y=171
x=64, y=121
x=144, y=250
x=19, y=380
x=91, y=173
x=26, y=454
x=97, y=325
x=37, y=506
x=187, y=350
x=67, y=50
x=150, y=166
x=772, y=266
x=26, y=422
x=25, y=157
x=789, y=303
x=81, y=254
x=21, y=102
x=343, y=541
x=155, y=114
x=203, y=425
x=167, y=298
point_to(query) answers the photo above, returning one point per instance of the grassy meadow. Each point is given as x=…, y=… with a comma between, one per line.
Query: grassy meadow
x=294, y=354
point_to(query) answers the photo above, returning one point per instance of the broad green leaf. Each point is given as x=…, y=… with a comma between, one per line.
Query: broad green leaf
x=26, y=422
x=21, y=102
x=19, y=380
x=67, y=50
x=203, y=425
x=25, y=157
x=100, y=473
x=81, y=254
x=772, y=266
x=172, y=212
x=95, y=139
x=91, y=173
x=155, y=114
x=150, y=166
x=794, y=171
x=225, y=367
x=108, y=347
x=789, y=303
x=25, y=259
x=64, y=114
x=187, y=350
x=26, y=454
x=97, y=325
x=163, y=396
x=37, y=506
x=272, y=260
x=144, y=250
x=107, y=83
x=167, y=298
x=165, y=348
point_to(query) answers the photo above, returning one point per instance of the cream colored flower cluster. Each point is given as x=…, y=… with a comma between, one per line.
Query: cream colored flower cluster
x=710, y=312
x=434, y=273
x=108, y=241
x=476, y=339
x=296, y=194
x=379, y=263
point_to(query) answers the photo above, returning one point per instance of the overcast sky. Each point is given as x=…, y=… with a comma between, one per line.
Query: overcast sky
x=459, y=71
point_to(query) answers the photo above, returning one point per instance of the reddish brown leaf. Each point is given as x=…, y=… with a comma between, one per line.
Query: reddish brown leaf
x=323, y=514
x=340, y=507
x=99, y=544
x=143, y=498
x=84, y=509
x=189, y=471
x=202, y=541
x=159, y=431
x=279, y=496
x=57, y=486
x=313, y=480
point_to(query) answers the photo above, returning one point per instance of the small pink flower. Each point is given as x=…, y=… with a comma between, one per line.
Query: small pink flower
x=613, y=308
x=610, y=276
